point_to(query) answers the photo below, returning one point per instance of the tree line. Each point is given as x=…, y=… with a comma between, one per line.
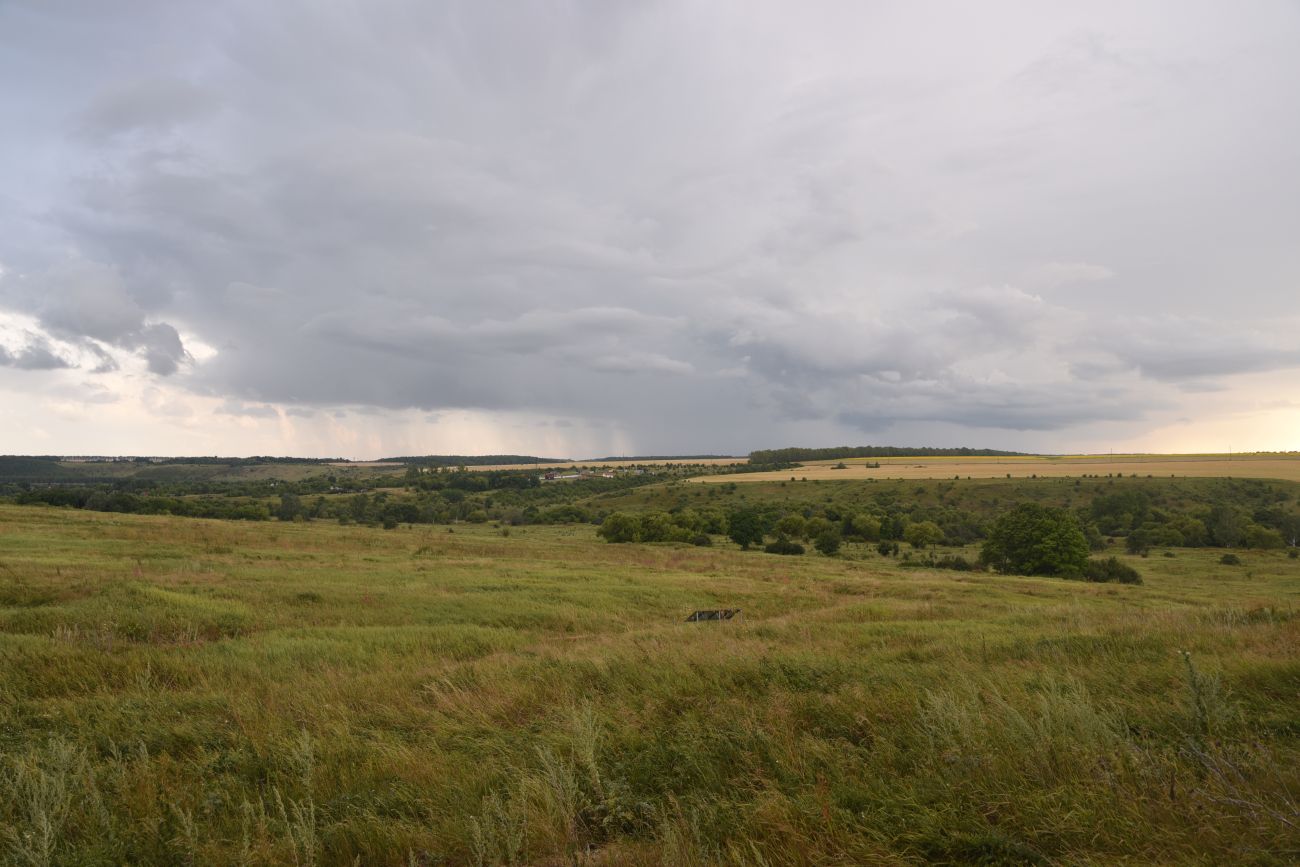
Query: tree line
x=794, y=454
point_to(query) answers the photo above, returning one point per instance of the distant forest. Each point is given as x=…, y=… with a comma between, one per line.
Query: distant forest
x=475, y=460
x=790, y=455
x=647, y=458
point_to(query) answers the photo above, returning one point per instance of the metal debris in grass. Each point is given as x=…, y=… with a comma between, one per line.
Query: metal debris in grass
x=714, y=614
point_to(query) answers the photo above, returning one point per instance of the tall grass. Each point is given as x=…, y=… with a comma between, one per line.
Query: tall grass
x=177, y=691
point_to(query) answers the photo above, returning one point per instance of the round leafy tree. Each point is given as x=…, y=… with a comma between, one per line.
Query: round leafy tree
x=745, y=527
x=620, y=527
x=1036, y=540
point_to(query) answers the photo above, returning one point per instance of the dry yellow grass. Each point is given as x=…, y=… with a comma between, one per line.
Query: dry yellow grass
x=711, y=462
x=1262, y=466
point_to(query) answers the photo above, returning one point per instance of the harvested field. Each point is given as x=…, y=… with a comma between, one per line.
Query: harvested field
x=675, y=462
x=1261, y=466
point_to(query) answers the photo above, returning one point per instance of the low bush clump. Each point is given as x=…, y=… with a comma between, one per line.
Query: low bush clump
x=956, y=562
x=783, y=546
x=1111, y=569
x=1230, y=560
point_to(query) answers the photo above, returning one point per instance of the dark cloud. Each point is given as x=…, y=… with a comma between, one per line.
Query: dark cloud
x=35, y=356
x=705, y=224
x=90, y=305
x=156, y=105
x=162, y=348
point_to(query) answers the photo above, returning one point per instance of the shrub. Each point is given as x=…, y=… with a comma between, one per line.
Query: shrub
x=861, y=526
x=828, y=541
x=1263, y=537
x=816, y=526
x=1293, y=553
x=563, y=514
x=956, y=562
x=620, y=527
x=1230, y=560
x=793, y=526
x=657, y=527
x=745, y=528
x=923, y=534
x=701, y=540
x=1036, y=540
x=1138, y=542
x=783, y=546
x=1111, y=569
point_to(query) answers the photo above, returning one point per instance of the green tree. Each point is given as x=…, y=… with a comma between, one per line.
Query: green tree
x=863, y=526
x=1227, y=525
x=923, y=534
x=792, y=526
x=657, y=527
x=1263, y=537
x=745, y=528
x=827, y=541
x=290, y=506
x=1036, y=540
x=620, y=527
x=689, y=519
x=816, y=526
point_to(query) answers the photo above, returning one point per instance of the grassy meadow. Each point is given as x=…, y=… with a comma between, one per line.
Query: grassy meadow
x=181, y=691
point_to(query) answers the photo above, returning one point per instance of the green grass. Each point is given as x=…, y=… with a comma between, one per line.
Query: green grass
x=184, y=691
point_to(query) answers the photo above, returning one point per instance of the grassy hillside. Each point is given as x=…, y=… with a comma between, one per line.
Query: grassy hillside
x=180, y=690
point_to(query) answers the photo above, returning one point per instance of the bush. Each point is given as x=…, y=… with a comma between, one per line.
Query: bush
x=701, y=540
x=1111, y=569
x=887, y=549
x=563, y=514
x=864, y=527
x=955, y=562
x=923, y=534
x=745, y=528
x=620, y=527
x=1263, y=537
x=1036, y=540
x=793, y=526
x=1138, y=542
x=1293, y=553
x=783, y=546
x=828, y=541
x=1230, y=560
x=657, y=527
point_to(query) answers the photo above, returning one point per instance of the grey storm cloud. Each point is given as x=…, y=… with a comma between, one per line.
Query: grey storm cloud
x=738, y=216
x=37, y=355
x=89, y=305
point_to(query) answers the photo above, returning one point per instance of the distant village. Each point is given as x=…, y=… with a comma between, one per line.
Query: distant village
x=560, y=476
x=109, y=459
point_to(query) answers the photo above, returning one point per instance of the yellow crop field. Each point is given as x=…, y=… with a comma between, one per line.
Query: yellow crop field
x=708, y=462
x=1253, y=466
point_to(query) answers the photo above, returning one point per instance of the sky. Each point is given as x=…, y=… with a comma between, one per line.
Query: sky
x=571, y=229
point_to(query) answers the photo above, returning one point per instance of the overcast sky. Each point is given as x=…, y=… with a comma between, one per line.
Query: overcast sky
x=385, y=227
